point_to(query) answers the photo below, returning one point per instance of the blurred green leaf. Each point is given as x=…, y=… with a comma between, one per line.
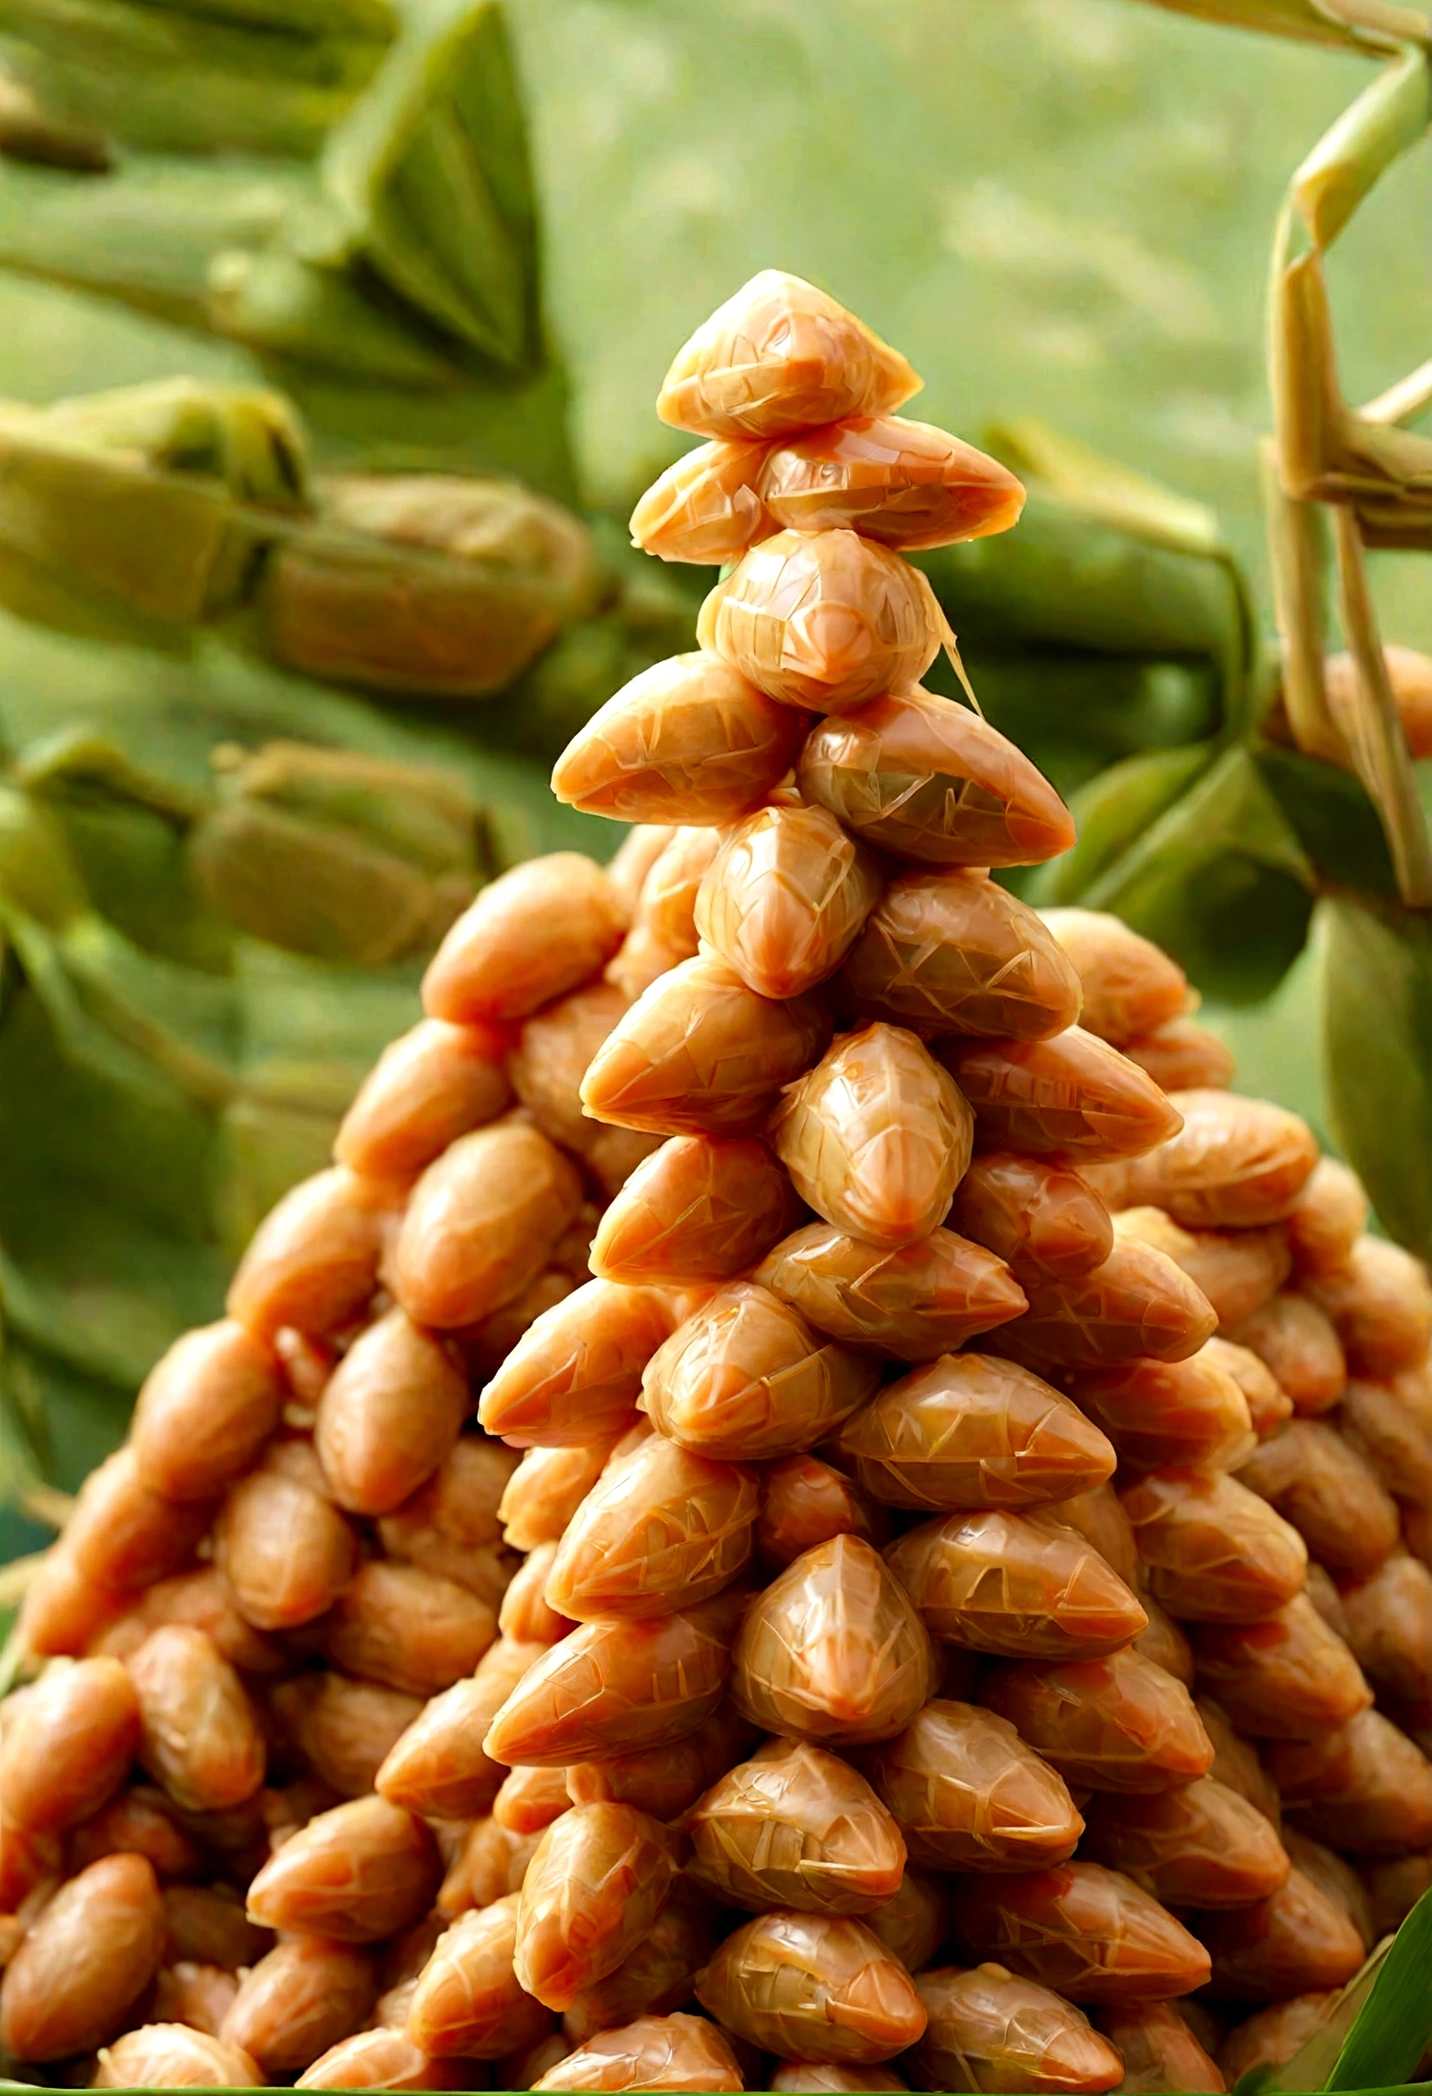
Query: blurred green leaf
x=431, y=173
x=1220, y=880
x=1334, y=820
x=1377, y=1048
x=1112, y=812
x=1393, y=2031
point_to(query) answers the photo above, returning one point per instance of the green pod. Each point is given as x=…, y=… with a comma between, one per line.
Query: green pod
x=1066, y=579
x=246, y=437
x=429, y=584
x=343, y=857
x=1074, y=713
x=1377, y=1055
x=168, y=546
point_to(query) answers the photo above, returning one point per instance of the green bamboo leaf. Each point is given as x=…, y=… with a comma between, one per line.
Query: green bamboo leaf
x=1220, y=880
x=1333, y=819
x=133, y=35
x=1378, y=961
x=1393, y=2031
x=1299, y=556
x=146, y=234
x=278, y=303
x=148, y=1149
x=1372, y=725
x=38, y=875
x=431, y=173
x=82, y=1418
x=358, y=21
x=1112, y=812
x=1068, y=580
x=1106, y=489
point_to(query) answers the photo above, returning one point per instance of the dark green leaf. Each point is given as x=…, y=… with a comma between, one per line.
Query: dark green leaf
x=1334, y=820
x=1377, y=1046
x=431, y=172
x=1219, y=879
x=1112, y=812
x=1393, y=2031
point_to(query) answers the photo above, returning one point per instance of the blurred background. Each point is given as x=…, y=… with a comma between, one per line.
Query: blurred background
x=274, y=699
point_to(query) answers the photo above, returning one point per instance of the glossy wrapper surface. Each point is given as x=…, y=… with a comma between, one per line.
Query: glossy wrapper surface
x=1119, y=1723
x=1039, y=1217
x=825, y=621
x=989, y=2029
x=813, y=1987
x=615, y=1687
x=594, y=1887
x=876, y=1137
x=532, y=934
x=1212, y=1551
x=664, y=1529
x=433, y=1084
x=1130, y=986
x=971, y=1430
x=915, y=1301
x=357, y=1874
x=575, y=1373
x=956, y=953
x=480, y=1223
x=701, y=1208
x=969, y=1795
x=778, y=356
x=784, y=898
x=469, y=2001
x=84, y=1963
x=706, y=507
x=923, y=778
x=796, y=1827
x=650, y=2052
x=1284, y=1677
x=747, y=1377
x=1018, y=1584
x=1295, y=1940
x=1089, y=1932
x=1201, y=1845
x=833, y=1651
x=690, y=740
x=1070, y=1096
x=904, y=483
x=1160, y=1413
x=701, y=1053
x=1235, y=1162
